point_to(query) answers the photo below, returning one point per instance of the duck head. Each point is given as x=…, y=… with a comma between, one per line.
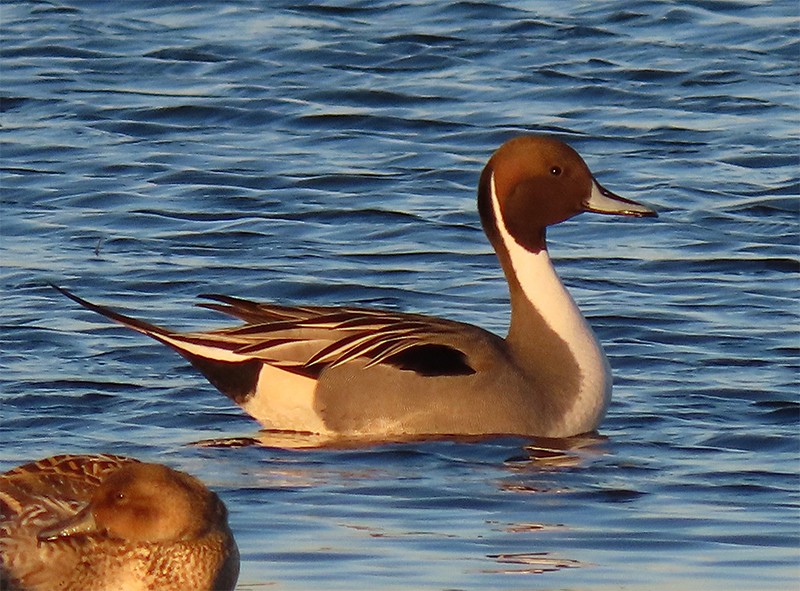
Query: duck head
x=537, y=182
x=146, y=503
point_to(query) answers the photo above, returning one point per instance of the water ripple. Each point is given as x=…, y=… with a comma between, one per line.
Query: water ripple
x=329, y=154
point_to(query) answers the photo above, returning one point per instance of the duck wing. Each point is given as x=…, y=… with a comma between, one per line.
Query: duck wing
x=308, y=339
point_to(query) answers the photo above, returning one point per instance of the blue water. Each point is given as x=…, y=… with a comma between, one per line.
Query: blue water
x=329, y=155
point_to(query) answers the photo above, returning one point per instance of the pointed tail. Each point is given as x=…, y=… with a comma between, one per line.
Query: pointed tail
x=160, y=334
x=233, y=374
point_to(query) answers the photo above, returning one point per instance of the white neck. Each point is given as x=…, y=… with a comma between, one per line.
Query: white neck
x=543, y=289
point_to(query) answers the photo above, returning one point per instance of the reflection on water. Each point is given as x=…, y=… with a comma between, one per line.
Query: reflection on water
x=544, y=451
x=532, y=563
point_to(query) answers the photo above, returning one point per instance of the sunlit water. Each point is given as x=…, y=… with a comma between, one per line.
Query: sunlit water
x=330, y=155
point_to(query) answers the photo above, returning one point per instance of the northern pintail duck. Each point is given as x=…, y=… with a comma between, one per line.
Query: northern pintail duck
x=378, y=374
x=103, y=522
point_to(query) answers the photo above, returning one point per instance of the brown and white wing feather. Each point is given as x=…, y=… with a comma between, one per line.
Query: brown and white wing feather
x=310, y=339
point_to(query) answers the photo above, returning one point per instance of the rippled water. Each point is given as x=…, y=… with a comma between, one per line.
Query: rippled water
x=329, y=154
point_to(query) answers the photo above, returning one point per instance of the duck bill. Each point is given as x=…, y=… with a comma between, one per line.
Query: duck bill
x=601, y=200
x=81, y=523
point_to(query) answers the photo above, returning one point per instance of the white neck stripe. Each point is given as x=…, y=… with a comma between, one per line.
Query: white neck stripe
x=545, y=292
x=539, y=281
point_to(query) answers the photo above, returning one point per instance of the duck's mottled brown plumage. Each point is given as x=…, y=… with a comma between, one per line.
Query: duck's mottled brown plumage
x=103, y=522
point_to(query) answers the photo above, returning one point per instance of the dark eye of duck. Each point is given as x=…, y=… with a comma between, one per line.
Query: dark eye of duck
x=555, y=171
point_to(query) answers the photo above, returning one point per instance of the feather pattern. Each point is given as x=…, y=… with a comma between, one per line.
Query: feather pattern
x=305, y=337
x=309, y=339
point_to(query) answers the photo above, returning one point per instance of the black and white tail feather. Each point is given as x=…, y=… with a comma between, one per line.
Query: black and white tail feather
x=305, y=340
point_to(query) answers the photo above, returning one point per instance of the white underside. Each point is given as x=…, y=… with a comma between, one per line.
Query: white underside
x=283, y=400
x=543, y=288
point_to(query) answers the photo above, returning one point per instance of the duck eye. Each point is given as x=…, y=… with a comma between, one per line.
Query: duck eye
x=555, y=171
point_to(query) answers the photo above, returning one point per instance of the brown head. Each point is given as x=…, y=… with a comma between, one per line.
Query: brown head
x=540, y=181
x=154, y=503
x=147, y=503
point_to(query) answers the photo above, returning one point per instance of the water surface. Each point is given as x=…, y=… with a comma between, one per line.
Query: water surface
x=329, y=154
